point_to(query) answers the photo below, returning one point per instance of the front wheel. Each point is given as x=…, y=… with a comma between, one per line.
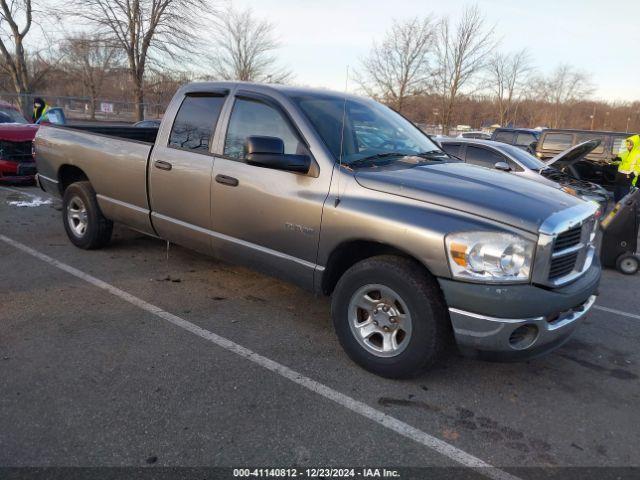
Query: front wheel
x=390, y=316
x=84, y=223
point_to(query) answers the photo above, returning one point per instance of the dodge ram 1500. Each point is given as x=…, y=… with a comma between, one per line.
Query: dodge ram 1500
x=343, y=196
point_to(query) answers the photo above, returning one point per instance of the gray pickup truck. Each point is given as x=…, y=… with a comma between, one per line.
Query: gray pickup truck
x=341, y=195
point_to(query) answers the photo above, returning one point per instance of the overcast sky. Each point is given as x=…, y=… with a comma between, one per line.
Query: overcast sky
x=321, y=37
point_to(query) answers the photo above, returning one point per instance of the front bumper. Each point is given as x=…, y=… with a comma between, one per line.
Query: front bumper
x=518, y=321
x=17, y=172
x=516, y=337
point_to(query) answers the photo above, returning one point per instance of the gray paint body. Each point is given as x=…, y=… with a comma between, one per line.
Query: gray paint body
x=289, y=224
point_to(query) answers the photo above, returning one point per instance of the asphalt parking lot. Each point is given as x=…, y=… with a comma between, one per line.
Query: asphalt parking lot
x=118, y=373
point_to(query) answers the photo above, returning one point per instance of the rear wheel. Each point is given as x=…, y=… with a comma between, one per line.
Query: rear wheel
x=84, y=223
x=390, y=316
x=628, y=263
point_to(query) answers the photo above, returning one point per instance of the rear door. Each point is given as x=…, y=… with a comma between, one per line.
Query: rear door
x=180, y=172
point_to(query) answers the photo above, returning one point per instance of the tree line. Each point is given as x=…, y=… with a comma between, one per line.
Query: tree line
x=435, y=70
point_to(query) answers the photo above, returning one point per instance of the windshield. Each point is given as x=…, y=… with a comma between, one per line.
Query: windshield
x=9, y=115
x=526, y=159
x=371, y=130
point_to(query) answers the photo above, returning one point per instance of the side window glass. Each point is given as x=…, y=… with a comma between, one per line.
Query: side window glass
x=195, y=123
x=586, y=137
x=254, y=118
x=514, y=166
x=557, y=141
x=618, y=146
x=504, y=137
x=483, y=157
x=525, y=139
x=452, y=149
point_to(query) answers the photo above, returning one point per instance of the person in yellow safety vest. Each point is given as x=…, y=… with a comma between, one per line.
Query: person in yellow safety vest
x=40, y=108
x=628, y=167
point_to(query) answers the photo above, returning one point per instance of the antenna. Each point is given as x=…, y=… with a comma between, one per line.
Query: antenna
x=344, y=116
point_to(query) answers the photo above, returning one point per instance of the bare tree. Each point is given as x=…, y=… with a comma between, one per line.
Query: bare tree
x=564, y=86
x=16, y=20
x=91, y=60
x=246, y=47
x=400, y=65
x=507, y=74
x=144, y=28
x=462, y=52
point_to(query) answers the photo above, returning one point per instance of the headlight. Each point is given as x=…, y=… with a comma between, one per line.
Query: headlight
x=489, y=256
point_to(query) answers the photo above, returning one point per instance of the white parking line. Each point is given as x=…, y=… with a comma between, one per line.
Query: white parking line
x=21, y=192
x=617, y=312
x=356, y=406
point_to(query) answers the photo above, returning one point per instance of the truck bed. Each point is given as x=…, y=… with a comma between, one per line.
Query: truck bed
x=114, y=162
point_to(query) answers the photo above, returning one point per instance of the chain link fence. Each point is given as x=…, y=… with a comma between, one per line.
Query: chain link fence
x=79, y=108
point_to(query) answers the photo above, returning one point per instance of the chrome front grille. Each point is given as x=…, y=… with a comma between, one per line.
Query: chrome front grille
x=567, y=239
x=566, y=246
x=562, y=266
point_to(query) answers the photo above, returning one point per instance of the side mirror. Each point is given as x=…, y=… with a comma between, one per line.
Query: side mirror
x=268, y=152
x=504, y=166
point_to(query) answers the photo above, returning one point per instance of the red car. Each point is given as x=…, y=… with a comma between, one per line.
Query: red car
x=16, y=146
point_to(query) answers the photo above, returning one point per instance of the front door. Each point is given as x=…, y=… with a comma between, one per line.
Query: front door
x=180, y=173
x=267, y=218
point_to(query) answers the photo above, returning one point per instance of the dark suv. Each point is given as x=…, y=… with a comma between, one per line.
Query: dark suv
x=597, y=166
x=524, y=138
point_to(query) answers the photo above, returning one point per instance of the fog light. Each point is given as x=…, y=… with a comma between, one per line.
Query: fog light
x=523, y=336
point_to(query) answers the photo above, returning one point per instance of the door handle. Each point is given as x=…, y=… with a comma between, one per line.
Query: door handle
x=162, y=165
x=224, y=180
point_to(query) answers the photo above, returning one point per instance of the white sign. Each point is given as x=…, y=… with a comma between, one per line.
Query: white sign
x=106, y=107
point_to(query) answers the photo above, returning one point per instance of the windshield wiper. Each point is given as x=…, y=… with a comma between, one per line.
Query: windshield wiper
x=370, y=158
x=433, y=154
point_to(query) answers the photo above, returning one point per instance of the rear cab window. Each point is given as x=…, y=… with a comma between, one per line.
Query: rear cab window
x=255, y=118
x=195, y=122
x=557, y=141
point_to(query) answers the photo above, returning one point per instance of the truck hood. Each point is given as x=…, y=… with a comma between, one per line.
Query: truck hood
x=575, y=154
x=487, y=193
x=17, y=132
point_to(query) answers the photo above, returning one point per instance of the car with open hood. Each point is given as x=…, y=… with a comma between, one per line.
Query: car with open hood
x=598, y=166
x=502, y=156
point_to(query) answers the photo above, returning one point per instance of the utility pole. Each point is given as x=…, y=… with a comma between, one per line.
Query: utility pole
x=628, y=120
x=593, y=116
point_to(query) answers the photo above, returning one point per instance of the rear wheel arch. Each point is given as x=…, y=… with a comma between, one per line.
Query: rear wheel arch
x=69, y=174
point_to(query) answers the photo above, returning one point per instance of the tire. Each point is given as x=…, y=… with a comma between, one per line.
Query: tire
x=416, y=315
x=628, y=264
x=83, y=221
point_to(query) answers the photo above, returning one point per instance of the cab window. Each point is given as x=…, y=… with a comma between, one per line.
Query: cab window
x=195, y=122
x=254, y=118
